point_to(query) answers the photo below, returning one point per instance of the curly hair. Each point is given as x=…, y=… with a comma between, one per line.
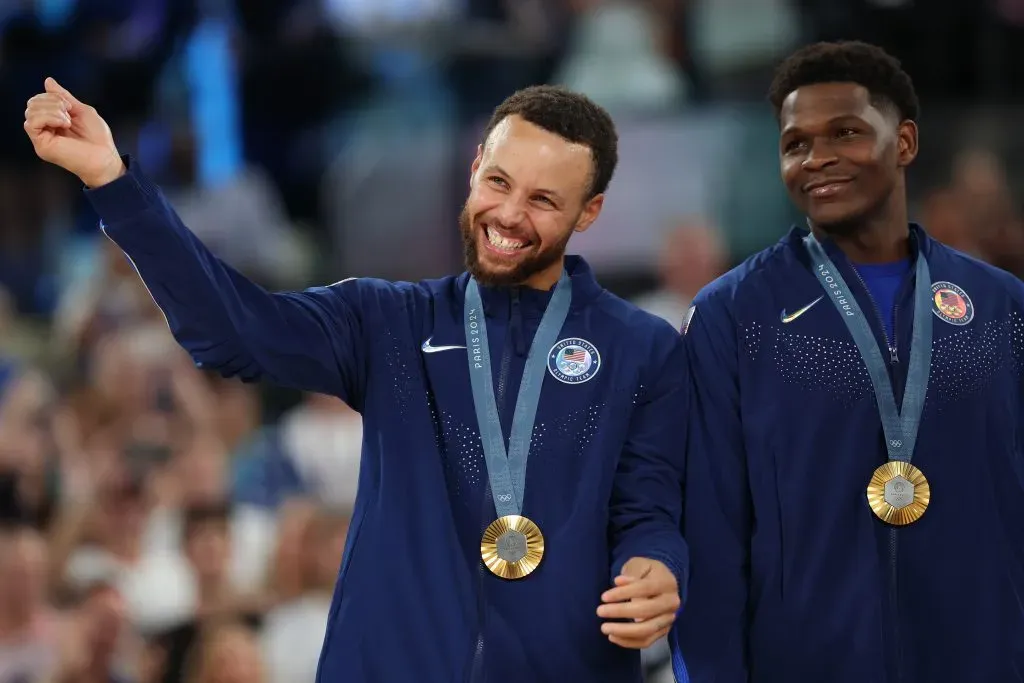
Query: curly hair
x=572, y=117
x=847, y=62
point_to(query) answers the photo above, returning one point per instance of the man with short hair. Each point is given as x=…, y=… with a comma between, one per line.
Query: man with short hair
x=461, y=564
x=854, y=484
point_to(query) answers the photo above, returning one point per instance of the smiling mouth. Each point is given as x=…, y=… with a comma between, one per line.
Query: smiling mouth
x=502, y=244
x=826, y=188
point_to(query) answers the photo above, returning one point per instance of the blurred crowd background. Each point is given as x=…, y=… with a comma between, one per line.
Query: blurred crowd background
x=162, y=525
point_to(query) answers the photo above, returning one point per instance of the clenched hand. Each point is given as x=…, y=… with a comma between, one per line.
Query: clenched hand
x=647, y=594
x=68, y=133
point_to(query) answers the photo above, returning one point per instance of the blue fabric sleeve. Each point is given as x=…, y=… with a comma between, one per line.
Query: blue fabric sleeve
x=646, y=504
x=312, y=340
x=711, y=633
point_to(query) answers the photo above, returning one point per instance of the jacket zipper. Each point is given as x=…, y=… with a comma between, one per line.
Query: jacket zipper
x=476, y=671
x=894, y=612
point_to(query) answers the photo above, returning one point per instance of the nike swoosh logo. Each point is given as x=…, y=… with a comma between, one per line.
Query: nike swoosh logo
x=799, y=312
x=429, y=348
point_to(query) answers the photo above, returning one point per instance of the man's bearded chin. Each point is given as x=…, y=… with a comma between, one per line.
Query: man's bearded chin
x=529, y=265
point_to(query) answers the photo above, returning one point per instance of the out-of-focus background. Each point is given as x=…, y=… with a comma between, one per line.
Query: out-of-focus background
x=162, y=525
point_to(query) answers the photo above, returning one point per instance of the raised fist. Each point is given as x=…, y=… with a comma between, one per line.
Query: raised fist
x=70, y=134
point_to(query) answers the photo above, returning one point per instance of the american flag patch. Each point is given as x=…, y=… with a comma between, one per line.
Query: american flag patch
x=575, y=355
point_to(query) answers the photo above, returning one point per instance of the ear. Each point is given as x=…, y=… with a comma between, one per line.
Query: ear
x=475, y=166
x=591, y=210
x=906, y=143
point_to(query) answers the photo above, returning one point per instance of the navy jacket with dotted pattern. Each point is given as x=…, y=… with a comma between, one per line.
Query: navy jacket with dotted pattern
x=413, y=601
x=793, y=577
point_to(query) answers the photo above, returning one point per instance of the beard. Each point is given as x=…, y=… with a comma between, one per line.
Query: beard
x=537, y=259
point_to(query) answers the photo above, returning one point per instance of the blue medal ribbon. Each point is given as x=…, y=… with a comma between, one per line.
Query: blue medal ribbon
x=507, y=471
x=900, y=425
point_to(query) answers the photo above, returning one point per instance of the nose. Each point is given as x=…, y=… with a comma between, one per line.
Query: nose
x=512, y=211
x=821, y=156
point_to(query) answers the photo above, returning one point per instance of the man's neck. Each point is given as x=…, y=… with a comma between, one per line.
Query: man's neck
x=885, y=239
x=546, y=279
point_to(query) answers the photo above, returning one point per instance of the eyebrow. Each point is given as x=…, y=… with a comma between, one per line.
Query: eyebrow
x=494, y=168
x=833, y=120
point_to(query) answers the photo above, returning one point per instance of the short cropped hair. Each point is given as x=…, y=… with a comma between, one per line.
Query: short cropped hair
x=572, y=117
x=847, y=62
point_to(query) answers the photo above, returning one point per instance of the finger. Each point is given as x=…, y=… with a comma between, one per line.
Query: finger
x=637, y=630
x=44, y=103
x=639, y=609
x=637, y=569
x=640, y=644
x=640, y=588
x=39, y=109
x=37, y=122
x=47, y=99
x=52, y=86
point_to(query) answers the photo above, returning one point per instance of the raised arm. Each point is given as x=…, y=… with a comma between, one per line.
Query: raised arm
x=312, y=340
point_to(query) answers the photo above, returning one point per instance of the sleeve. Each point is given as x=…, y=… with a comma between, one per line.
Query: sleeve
x=710, y=637
x=646, y=504
x=312, y=340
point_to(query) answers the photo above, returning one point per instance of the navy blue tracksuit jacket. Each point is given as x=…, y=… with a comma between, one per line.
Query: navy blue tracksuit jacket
x=794, y=580
x=413, y=601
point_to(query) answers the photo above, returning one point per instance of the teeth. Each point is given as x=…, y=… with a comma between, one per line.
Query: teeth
x=500, y=242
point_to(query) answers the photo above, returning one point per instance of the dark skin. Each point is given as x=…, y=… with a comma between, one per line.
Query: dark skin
x=843, y=162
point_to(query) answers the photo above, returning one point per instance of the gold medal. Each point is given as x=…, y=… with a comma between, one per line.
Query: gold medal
x=898, y=493
x=512, y=547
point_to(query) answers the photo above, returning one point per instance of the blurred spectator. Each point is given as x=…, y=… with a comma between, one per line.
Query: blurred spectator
x=297, y=74
x=976, y=212
x=96, y=642
x=111, y=298
x=241, y=219
x=228, y=654
x=692, y=257
x=313, y=451
x=294, y=630
x=618, y=57
x=207, y=545
x=27, y=400
x=103, y=540
x=29, y=627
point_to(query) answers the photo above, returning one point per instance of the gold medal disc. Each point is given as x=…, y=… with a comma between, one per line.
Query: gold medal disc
x=898, y=493
x=512, y=547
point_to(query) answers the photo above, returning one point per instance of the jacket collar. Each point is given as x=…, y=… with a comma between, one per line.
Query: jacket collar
x=533, y=302
x=920, y=243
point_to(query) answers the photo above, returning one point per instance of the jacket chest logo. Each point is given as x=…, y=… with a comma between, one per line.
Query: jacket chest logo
x=951, y=304
x=573, y=361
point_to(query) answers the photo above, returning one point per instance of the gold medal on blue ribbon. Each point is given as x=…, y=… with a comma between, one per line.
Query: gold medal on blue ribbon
x=512, y=546
x=898, y=492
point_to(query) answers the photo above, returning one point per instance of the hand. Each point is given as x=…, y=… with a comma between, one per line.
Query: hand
x=646, y=593
x=70, y=134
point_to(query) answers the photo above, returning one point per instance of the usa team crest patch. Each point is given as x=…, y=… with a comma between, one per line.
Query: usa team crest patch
x=951, y=303
x=573, y=361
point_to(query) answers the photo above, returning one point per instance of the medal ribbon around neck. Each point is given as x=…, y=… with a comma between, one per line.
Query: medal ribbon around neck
x=900, y=425
x=507, y=470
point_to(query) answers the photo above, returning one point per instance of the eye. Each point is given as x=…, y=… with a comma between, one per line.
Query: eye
x=544, y=200
x=847, y=132
x=793, y=146
x=498, y=180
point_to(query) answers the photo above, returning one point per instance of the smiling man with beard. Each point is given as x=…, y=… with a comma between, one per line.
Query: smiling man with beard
x=461, y=564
